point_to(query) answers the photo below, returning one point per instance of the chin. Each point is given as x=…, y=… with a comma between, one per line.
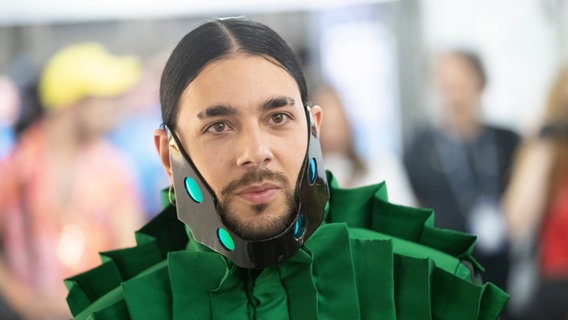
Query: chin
x=259, y=221
x=258, y=225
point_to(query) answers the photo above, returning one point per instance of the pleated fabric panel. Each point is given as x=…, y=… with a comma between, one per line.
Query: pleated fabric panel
x=370, y=259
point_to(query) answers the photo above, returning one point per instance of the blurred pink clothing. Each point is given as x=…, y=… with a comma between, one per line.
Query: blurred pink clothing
x=53, y=225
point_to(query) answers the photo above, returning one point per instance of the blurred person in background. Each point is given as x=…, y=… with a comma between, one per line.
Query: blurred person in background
x=337, y=143
x=65, y=192
x=341, y=158
x=9, y=113
x=460, y=167
x=141, y=115
x=536, y=202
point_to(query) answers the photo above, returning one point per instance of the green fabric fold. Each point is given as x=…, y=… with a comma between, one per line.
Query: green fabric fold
x=333, y=272
x=301, y=290
x=369, y=259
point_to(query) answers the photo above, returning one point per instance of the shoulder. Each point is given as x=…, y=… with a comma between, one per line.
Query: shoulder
x=422, y=136
x=428, y=265
x=419, y=146
x=100, y=292
x=504, y=134
x=368, y=213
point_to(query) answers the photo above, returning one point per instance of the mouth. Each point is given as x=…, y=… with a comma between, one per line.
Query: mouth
x=259, y=194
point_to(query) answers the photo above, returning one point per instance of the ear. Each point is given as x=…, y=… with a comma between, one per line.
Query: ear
x=317, y=114
x=163, y=147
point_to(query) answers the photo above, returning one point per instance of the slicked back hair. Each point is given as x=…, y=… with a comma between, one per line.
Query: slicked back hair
x=213, y=41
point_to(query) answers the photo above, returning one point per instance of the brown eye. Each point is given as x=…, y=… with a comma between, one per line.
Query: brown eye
x=217, y=127
x=278, y=118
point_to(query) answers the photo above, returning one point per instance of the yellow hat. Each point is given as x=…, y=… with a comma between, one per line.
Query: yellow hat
x=85, y=70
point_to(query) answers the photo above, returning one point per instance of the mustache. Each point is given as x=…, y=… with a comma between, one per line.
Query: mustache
x=255, y=176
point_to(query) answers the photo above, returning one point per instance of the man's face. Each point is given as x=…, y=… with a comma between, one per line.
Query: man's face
x=459, y=87
x=243, y=124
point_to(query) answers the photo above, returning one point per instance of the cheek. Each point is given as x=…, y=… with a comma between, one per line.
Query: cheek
x=213, y=165
x=293, y=157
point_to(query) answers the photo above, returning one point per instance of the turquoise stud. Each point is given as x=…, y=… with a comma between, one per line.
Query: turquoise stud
x=300, y=226
x=312, y=171
x=225, y=239
x=193, y=190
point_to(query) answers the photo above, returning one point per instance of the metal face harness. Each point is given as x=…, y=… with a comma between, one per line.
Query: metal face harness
x=196, y=206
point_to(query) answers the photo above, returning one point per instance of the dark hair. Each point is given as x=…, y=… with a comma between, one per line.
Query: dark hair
x=474, y=60
x=214, y=40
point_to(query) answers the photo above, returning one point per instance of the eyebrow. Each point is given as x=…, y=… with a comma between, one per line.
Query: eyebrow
x=226, y=110
x=277, y=102
x=215, y=111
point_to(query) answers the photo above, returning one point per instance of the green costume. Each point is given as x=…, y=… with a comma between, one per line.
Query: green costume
x=369, y=259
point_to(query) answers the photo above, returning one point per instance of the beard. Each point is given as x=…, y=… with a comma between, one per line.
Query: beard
x=260, y=221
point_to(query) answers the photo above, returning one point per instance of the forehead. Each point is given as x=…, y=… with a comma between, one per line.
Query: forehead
x=239, y=80
x=456, y=65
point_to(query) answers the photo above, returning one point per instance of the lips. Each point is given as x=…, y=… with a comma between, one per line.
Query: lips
x=259, y=194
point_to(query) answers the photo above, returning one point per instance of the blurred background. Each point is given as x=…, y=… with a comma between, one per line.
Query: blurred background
x=377, y=68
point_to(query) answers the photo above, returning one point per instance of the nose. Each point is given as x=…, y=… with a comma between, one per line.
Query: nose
x=254, y=148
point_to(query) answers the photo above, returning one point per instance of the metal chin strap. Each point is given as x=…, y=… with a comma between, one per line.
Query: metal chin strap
x=196, y=207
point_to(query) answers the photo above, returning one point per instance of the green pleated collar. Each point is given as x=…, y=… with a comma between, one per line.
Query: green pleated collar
x=367, y=260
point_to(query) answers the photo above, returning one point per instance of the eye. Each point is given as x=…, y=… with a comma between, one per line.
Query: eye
x=217, y=127
x=279, y=118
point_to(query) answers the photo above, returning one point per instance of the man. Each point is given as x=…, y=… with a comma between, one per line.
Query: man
x=255, y=228
x=461, y=167
x=66, y=192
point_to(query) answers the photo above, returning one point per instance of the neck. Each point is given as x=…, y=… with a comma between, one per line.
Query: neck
x=62, y=130
x=465, y=132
